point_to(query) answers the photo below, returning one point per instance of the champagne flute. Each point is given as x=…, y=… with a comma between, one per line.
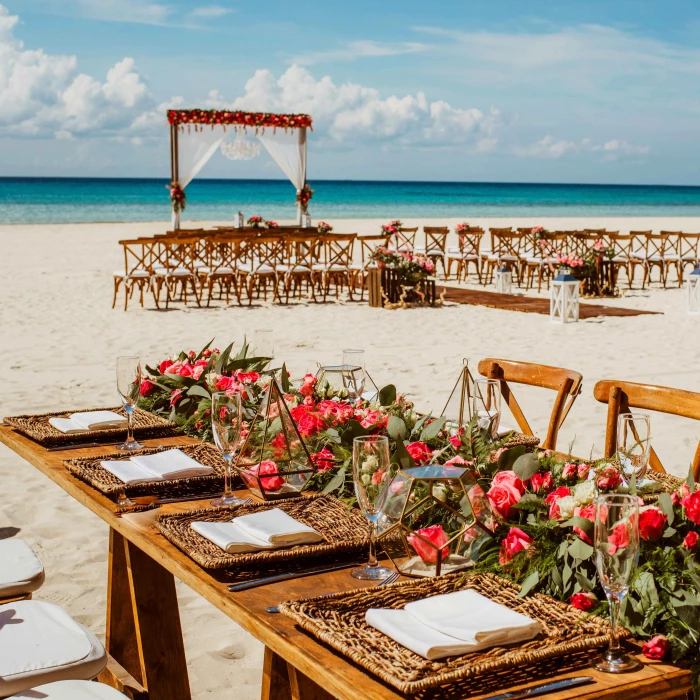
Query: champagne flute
x=370, y=470
x=353, y=371
x=633, y=443
x=486, y=404
x=263, y=343
x=226, y=416
x=128, y=385
x=617, y=552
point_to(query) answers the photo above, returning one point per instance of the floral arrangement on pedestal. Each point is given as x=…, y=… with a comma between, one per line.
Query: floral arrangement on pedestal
x=535, y=508
x=322, y=227
x=393, y=227
x=177, y=196
x=412, y=268
x=257, y=221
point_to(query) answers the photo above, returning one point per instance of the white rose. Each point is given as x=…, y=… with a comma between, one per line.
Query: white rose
x=440, y=492
x=585, y=492
x=566, y=505
x=366, y=479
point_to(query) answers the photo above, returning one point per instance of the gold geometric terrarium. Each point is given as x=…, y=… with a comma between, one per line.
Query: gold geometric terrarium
x=434, y=520
x=274, y=462
x=458, y=408
x=330, y=382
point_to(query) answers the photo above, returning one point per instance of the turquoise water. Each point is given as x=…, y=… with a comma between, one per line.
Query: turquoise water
x=73, y=200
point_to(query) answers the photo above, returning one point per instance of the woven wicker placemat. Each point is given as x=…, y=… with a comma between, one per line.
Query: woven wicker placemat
x=37, y=427
x=344, y=530
x=90, y=470
x=518, y=439
x=669, y=483
x=339, y=620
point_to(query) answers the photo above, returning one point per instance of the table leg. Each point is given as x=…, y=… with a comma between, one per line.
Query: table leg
x=143, y=622
x=281, y=681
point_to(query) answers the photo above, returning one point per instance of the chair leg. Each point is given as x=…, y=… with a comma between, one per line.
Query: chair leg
x=117, y=284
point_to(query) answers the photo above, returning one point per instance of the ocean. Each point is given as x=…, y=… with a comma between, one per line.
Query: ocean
x=75, y=200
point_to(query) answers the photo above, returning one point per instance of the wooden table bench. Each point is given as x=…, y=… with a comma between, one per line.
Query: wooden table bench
x=144, y=636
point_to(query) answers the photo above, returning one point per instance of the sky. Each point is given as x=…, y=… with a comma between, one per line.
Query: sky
x=586, y=91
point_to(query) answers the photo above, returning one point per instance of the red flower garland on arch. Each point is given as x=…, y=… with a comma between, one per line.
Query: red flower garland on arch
x=304, y=196
x=254, y=119
x=177, y=196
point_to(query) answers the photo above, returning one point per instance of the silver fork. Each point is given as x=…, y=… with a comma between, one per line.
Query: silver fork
x=391, y=578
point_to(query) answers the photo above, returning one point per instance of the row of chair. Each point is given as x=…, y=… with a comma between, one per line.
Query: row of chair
x=620, y=396
x=44, y=653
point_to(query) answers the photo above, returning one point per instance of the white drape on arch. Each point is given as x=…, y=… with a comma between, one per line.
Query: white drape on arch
x=196, y=147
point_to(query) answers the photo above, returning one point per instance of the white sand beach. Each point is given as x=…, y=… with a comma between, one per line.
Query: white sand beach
x=60, y=337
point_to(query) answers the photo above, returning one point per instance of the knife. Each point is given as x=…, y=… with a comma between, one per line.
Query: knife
x=542, y=689
x=254, y=583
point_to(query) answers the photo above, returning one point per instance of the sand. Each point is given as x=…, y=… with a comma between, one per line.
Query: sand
x=60, y=337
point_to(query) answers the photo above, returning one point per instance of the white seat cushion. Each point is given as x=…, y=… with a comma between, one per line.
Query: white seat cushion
x=249, y=267
x=41, y=643
x=223, y=270
x=453, y=249
x=160, y=270
x=638, y=254
x=21, y=571
x=671, y=256
x=322, y=267
x=689, y=256
x=180, y=272
x=654, y=258
x=71, y=690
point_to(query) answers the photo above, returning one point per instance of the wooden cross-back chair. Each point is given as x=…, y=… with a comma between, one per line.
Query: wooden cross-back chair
x=505, y=249
x=368, y=245
x=257, y=266
x=138, y=261
x=436, y=244
x=336, y=266
x=567, y=383
x=623, y=396
x=467, y=251
x=223, y=252
x=671, y=255
x=689, y=249
x=405, y=238
x=302, y=255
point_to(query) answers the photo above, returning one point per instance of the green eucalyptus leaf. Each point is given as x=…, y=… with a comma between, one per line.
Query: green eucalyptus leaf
x=198, y=390
x=585, y=584
x=352, y=430
x=396, y=428
x=578, y=549
x=387, y=395
x=666, y=505
x=691, y=478
x=336, y=482
x=432, y=429
x=669, y=532
x=633, y=485
x=526, y=466
x=583, y=523
x=509, y=457
x=528, y=584
x=401, y=457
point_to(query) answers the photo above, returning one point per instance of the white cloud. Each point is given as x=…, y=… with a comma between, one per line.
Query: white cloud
x=550, y=148
x=42, y=95
x=209, y=11
x=359, y=49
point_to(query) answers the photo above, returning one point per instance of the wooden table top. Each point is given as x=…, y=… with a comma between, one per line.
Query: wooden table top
x=332, y=671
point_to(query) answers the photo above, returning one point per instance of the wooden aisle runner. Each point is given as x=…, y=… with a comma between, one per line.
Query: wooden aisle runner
x=514, y=302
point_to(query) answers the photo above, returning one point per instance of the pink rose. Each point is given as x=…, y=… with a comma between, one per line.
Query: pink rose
x=582, y=470
x=175, y=397
x=163, y=366
x=619, y=539
x=378, y=477
x=420, y=452
x=272, y=483
x=369, y=418
x=436, y=535
x=589, y=513
x=506, y=490
x=515, y=541
x=493, y=457
x=197, y=372
x=459, y=462
x=323, y=460
x=691, y=504
x=652, y=523
x=552, y=499
x=307, y=388
x=608, y=479
x=583, y=601
x=248, y=377
x=682, y=492
x=656, y=648
x=569, y=471
x=691, y=540
x=146, y=387
x=541, y=482
x=455, y=441
x=185, y=370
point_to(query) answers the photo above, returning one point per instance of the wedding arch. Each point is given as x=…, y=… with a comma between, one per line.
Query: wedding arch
x=196, y=134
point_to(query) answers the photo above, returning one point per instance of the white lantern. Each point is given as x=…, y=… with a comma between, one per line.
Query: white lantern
x=563, y=301
x=504, y=280
x=694, y=291
x=241, y=221
x=307, y=220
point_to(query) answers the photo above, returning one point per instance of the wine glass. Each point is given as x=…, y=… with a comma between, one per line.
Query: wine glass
x=263, y=343
x=353, y=371
x=370, y=470
x=633, y=443
x=617, y=552
x=486, y=404
x=128, y=385
x=226, y=416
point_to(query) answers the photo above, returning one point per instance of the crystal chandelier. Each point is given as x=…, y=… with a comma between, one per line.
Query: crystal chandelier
x=241, y=148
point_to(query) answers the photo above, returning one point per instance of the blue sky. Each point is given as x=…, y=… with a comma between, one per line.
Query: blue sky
x=557, y=91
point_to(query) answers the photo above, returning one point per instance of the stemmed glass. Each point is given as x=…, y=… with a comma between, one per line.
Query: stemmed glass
x=486, y=404
x=263, y=343
x=633, y=443
x=617, y=552
x=354, y=374
x=226, y=416
x=370, y=470
x=128, y=385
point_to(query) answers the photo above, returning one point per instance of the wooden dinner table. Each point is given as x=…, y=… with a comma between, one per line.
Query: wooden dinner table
x=144, y=635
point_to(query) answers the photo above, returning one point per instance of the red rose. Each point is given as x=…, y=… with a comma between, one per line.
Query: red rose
x=541, y=482
x=619, y=539
x=279, y=443
x=691, y=540
x=557, y=493
x=691, y=503
x=506, y=490
x=682, y=492
x=656, y=648
x=455, y=441
x=164, y=365
x=589, y=513
x=420, y=452
x=175, y=397
x=608, y=479
x=185, y=370
x=652, y=522
x=436, y=535
x=271, y=483
x=308, y=422
x=583, y=601
x=248, y=377
x=146, y=387
x=515, y=541
x=323, y=460
x=307, y=388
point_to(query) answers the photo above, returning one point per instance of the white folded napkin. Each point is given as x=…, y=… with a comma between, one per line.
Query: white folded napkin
x=269, y=529
x=89, y=420
x=171, y=464
x=452, y=624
